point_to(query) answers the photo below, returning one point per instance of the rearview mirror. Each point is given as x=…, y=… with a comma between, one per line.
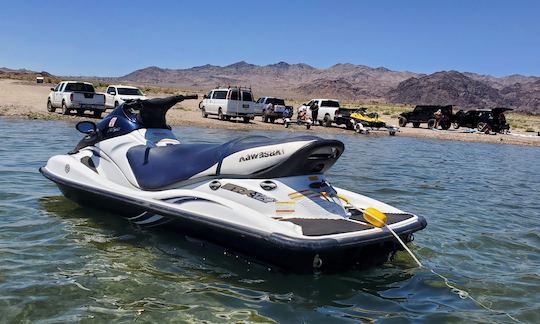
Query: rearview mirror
x=86, y=127
x=205, y=97
x=52, y=89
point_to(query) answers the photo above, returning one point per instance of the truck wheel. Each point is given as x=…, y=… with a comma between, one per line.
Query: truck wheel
x=203, y=113
x=431, y=123
x=326, y=121
x=480, y=126
x=97, y=113
x=246, y=119
x=402, y=121
x=445, y=125
x=220, y=115
x=50, y=108
x=65, y=110
x=416, y=124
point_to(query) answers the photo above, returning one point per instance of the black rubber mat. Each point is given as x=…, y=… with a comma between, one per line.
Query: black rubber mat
x=392, y=218
x=318, y=227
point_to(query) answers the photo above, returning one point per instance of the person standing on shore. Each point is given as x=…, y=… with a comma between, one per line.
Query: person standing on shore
x=438, y=116
x=314, y=111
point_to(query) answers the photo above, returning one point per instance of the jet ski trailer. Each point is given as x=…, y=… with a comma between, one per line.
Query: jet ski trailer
x=265, y=199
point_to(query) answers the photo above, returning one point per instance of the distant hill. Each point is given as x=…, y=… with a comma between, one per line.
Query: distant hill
x=355, y=82
x=341, y=81
x=292, y=80
x=469, y=90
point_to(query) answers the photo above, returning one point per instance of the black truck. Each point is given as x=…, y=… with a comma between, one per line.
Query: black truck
x=425, y=114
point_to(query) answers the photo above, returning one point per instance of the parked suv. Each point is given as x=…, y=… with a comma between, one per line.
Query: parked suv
x=227, y=103
x=478, y=118
x=271, y=108
x=328, y=111
x=424, y=114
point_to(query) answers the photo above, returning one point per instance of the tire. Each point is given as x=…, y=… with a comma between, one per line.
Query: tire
x=416, y=124
x=65, y=110
x=246, y=120
x=431, y=123
x=445, y=125
x=203, y=113
x=97, y=113
x=480, y=126
x=220, y=115
x=402, y=121
x=455, y=125
x=327, y=122
x=50, y=107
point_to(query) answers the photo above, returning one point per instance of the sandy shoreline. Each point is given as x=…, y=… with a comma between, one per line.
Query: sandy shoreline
x=21, y=99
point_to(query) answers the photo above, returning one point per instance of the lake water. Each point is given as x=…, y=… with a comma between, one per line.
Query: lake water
x=62, y=263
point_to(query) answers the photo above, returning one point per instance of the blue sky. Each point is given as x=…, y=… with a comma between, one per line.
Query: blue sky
x=113, y=38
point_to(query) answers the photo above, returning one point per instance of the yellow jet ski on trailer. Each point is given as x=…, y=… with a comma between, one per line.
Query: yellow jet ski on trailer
x=363, y=122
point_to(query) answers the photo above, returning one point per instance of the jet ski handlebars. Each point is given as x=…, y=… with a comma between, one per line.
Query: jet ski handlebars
x=152, y=111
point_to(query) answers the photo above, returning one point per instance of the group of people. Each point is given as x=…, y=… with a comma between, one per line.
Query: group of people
x=303, y=112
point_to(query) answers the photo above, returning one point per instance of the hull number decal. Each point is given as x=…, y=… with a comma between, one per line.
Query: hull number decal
x=246, y=192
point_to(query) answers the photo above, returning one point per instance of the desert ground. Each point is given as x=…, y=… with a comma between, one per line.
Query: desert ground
x=25, y=99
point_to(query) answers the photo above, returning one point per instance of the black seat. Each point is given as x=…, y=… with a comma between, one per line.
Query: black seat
x=158, y=167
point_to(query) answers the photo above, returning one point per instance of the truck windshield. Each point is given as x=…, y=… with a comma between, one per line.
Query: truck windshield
x=79, y=87
x=246, y=96
x=276, y=101
x=129, y=91
x=330, y=103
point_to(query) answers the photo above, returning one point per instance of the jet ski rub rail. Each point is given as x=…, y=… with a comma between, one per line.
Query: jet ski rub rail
x=158, y=167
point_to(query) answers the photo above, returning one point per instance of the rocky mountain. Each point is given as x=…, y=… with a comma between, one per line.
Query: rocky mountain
x=469, y=90
x=355, y=82
x=340, y=81
x=279, y=79
x=446, y=88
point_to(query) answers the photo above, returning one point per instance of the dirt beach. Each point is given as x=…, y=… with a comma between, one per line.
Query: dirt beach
x=23, y=99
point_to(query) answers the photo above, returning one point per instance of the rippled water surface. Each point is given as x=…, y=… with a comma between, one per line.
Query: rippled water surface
x=60, y=262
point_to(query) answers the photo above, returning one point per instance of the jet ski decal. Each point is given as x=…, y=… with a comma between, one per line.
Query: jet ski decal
x=285, y=206
x=246, y=192
x=261, y=155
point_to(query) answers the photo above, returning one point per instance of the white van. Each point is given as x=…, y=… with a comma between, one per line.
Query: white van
x=229, y=102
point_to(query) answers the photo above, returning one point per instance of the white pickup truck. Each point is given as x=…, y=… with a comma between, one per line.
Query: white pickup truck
x=118, y=94
x=76, y=95
x=327, y=112
x=271, y=108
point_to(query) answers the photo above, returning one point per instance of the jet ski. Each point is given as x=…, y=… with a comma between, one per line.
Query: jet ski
x=268, y=200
